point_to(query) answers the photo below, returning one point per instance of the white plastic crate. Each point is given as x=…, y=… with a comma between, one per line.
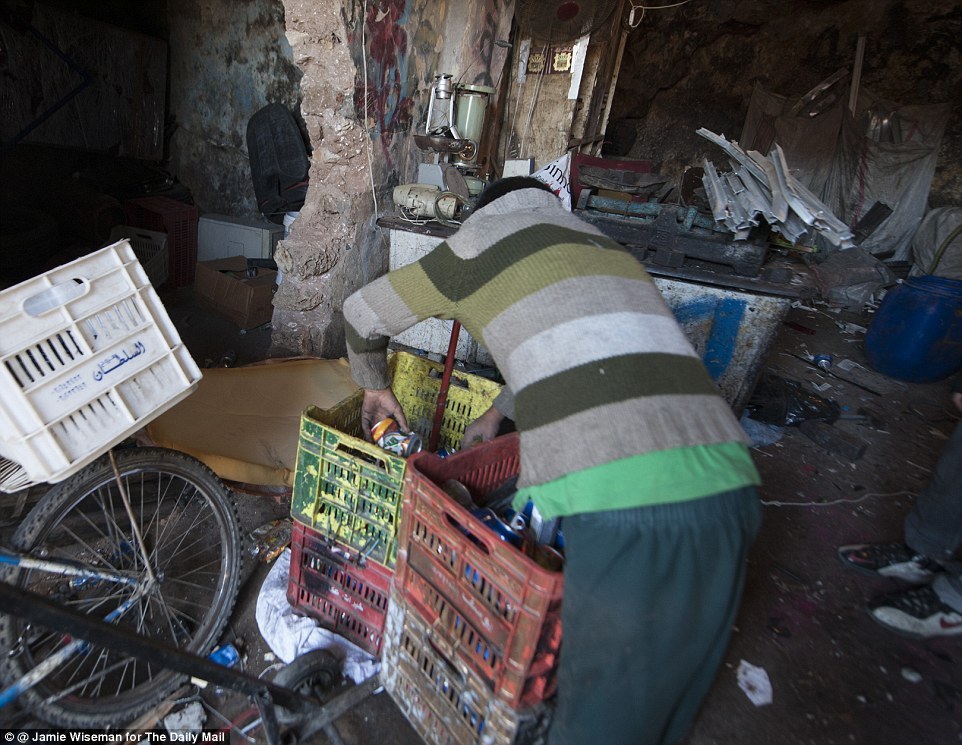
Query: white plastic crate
x=88, y=355
x=150, y=248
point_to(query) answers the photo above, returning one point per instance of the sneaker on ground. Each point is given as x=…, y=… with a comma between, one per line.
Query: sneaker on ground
x=889, y=560
x=917, y=611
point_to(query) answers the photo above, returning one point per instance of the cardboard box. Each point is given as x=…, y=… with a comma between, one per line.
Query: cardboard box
x=222, y=286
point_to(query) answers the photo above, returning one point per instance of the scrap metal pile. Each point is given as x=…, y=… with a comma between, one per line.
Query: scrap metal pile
x=764, y=187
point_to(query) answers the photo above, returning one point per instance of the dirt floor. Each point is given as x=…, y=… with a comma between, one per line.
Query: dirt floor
x=835, y=675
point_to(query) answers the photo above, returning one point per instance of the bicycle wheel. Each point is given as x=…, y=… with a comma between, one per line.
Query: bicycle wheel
x=316, y=674
x=188, y=524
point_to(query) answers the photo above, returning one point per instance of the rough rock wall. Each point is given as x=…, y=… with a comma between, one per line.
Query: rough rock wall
x=227, y=60
x=695, y=66
x=320, y=260
x=367, y=67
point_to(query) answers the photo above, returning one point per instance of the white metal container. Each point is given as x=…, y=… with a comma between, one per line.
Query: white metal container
x=221, y=236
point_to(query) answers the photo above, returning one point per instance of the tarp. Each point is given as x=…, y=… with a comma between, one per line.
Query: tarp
x=244, y=422
x=809, y=142
x=885, y=153
x=940, y=231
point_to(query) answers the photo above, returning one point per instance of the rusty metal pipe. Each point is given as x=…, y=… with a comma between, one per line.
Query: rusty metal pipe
x=445, y=383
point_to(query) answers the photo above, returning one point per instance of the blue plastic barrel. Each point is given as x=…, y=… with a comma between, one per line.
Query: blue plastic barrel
x=916, y=335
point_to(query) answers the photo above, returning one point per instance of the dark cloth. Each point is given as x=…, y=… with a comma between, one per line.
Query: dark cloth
x=934, y=526
x=658, y=589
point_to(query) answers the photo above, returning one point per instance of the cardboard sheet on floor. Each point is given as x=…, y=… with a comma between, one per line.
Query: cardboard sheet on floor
x=244, y=422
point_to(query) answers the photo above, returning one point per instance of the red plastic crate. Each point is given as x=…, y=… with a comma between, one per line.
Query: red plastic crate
x=444, y=705
x=331, y=583
x=490, y=608
x=179, y=221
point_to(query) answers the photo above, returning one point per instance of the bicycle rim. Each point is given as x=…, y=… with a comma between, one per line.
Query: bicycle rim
x=190, y=536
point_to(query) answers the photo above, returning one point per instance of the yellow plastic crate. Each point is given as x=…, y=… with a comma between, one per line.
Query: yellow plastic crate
x=350, y=489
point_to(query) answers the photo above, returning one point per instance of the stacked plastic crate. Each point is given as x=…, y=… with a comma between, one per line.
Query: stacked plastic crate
x=179, y=221
x=473, y=631
x=347, y=498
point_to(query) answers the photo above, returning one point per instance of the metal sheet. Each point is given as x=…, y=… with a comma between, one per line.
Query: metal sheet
x=737, y=198
x=733, y=331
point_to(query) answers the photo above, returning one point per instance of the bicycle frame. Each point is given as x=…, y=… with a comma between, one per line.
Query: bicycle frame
x=84, y=630
x=64, y=568
x=265, y=694
x=67, y=568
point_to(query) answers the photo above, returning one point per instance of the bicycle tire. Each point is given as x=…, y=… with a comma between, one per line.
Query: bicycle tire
x=190, y=531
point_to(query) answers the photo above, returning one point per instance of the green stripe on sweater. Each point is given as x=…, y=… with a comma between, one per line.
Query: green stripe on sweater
x=357, y=343
x=458, y=278
x=610, y=381
x=547, y=268
x=676, y=475
x=417, y=290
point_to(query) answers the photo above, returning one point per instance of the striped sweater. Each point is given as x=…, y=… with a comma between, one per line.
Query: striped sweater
x=596, y=368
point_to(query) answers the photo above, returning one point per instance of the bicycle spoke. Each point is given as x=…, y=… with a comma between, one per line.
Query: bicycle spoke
x=156, y=522
x=187, y=535
x=104, y=496
x=167, y=616
x=179, y=613
x=184, y=580
x=111, y=541
x=90, y=605
x=76, y=686
x=130, y=666
x=83, y=662
x=181, y=504
x=176, y=553
x=101, y=662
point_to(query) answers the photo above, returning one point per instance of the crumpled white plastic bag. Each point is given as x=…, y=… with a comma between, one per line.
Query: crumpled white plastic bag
x=290, y=635
x=557, y=175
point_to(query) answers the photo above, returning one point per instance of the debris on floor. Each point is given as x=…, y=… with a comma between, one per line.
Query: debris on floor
x=189, y=719
x=269, y=540
x=761, y=433
x=777, y=400
x=755, y=683
x=833, y=440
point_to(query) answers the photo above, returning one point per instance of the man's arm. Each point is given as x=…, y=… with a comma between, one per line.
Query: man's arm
x=385, y=307
x=485, y=427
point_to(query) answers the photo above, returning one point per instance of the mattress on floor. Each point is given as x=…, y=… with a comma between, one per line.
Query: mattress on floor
x=244, y=422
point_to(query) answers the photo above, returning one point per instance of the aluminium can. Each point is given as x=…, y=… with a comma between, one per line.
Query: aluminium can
x=389, y=437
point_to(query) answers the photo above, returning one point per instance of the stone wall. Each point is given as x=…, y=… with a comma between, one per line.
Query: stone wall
x=227, y=60
x=320, y=259
x=367, y=72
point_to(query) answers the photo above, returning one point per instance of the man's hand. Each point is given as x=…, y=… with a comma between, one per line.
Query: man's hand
x=378, y=404
x=482, y=429
x=957, y=400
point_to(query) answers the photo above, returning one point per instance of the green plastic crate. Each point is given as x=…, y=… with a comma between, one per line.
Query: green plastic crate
x=350, y=489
